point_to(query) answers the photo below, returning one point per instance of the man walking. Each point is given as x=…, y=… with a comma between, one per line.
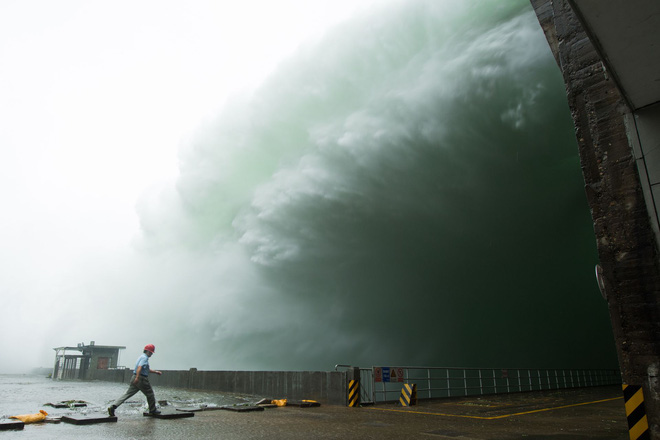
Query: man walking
x=140, y=382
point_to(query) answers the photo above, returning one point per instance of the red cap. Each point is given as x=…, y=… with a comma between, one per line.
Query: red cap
x=150, y=347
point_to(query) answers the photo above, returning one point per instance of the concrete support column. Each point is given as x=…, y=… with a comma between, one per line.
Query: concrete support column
x=625, y=239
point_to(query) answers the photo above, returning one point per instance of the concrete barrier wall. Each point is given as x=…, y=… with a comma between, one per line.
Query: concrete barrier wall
x=329, y=387
x=117, y=375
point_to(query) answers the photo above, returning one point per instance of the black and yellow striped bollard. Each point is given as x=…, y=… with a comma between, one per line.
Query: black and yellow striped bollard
x=638, y=425
x=408, y=394
x=354, y=393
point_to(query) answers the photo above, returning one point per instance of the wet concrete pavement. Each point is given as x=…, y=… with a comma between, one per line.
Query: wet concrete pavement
x=590, y=413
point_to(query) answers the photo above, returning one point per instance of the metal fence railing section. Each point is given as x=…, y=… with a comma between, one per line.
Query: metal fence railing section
x=383, y=384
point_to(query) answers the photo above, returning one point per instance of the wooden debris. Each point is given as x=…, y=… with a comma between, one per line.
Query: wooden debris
x=88, y=419
x=169, y=415
x=6, y=425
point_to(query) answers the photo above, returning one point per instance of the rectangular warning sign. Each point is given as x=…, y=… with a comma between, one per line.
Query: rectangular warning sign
x=388, y=374
x=396, y=374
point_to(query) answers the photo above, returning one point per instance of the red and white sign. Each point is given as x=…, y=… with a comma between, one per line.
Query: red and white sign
x=378, y=374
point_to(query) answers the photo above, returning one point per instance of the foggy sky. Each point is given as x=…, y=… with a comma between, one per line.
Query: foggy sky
x=405, y=190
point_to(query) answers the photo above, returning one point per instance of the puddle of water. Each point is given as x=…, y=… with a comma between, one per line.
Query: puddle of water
x=27, y=394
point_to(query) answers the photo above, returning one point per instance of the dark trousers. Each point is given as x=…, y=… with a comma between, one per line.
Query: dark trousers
x=141, y=385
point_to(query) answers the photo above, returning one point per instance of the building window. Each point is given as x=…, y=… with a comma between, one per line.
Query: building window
x=103, y=363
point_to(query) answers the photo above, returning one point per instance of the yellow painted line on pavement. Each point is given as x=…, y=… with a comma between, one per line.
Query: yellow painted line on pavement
x=497, y=417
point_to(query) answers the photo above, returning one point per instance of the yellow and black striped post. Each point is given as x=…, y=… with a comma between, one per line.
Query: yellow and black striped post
x=408, y=394
x=638, y=425
x=354, y=393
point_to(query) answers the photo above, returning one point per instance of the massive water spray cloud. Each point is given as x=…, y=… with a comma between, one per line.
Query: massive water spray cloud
x=404, y=191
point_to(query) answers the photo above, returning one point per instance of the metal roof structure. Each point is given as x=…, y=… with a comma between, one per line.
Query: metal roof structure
x=82, y=347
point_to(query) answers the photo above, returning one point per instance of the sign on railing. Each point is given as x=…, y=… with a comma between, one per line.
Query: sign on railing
x=388, y=374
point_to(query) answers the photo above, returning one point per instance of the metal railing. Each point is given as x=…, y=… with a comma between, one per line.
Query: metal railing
x=439, y=382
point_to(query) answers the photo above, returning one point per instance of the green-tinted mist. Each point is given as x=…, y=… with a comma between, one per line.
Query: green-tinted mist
x=404, y=191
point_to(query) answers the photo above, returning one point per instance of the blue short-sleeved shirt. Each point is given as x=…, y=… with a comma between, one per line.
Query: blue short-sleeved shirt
x=144, y=361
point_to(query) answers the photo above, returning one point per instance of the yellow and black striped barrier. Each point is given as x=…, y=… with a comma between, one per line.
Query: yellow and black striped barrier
x=354, y=393
x=638, y=425
x=408, y=394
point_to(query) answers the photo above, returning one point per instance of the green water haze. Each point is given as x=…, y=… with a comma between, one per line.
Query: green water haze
x=405, y=191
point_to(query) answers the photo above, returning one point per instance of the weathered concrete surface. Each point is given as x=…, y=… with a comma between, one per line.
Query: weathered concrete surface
x=588, y=413
x=625, y=238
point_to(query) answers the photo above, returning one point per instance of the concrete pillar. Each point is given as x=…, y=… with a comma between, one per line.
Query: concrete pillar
x=625, y=238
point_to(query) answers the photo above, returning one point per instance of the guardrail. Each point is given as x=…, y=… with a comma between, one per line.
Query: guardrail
x=439, y=382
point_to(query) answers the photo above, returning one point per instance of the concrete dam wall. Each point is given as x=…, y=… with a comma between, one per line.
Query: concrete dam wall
x=329, y=387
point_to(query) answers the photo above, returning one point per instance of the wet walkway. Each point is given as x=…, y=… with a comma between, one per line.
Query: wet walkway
x=590, y=413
